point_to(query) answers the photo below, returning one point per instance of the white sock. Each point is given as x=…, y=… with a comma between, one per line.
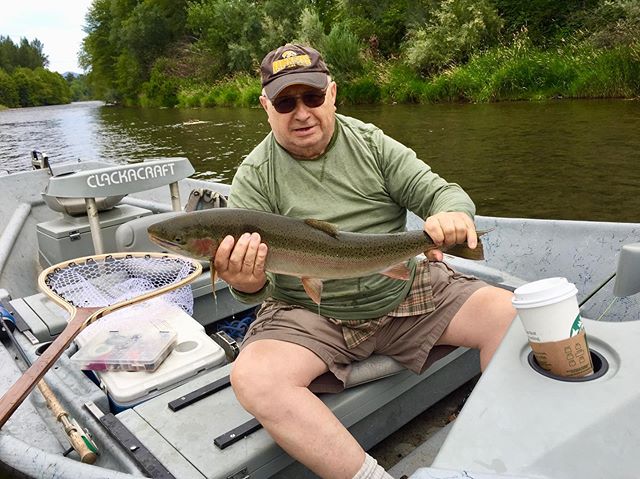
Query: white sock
x=371, y=470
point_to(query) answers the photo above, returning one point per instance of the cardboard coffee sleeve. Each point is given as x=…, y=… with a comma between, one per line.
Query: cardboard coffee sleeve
x=568, y=357
x=549, y=312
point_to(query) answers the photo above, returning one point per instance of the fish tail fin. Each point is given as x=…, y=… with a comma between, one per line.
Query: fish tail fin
x=463, y=251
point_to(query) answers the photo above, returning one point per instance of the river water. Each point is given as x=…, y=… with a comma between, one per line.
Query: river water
x=558, y=159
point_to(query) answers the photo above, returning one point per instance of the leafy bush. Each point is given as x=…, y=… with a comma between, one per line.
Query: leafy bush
x=400, y=84
x=161, y=89
x=311, y=31
x=382, y=25
x=458, y=28
x=341, y=50
x=360, y=90
x=230, y=32
x=613, y=23
x=280, y=22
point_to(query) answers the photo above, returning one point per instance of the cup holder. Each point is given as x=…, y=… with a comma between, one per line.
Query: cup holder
x=600, y=368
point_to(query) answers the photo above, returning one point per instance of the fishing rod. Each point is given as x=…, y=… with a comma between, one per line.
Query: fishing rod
x=80, y=440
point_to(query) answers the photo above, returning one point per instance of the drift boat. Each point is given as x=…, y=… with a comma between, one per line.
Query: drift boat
x=182, y=420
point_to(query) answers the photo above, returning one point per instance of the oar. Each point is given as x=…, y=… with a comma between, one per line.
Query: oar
x=79, y=441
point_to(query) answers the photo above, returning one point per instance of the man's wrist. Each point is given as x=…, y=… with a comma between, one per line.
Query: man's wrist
x=258, y=296
x=242, y=291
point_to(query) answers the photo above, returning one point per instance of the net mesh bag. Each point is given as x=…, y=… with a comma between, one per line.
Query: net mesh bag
x=93, y=283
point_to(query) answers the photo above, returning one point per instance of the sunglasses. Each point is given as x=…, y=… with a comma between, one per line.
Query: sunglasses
x=311, y=99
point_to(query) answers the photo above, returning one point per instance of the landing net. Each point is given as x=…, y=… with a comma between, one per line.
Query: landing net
x=112, y=279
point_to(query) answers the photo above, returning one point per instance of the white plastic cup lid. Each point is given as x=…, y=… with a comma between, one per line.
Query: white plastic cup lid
x=543, y=293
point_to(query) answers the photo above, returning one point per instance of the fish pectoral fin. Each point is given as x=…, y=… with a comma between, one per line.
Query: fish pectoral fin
x=397, y=271
x=313, y=287
x=325, y=227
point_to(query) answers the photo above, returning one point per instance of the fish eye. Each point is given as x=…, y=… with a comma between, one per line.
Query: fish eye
x=178, y=239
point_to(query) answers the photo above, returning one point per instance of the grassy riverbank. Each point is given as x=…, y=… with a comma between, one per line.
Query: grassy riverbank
x=517, y=72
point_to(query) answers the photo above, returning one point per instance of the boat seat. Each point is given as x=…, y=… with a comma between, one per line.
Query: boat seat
x=371, y=369
x=75, y=206
x=99, y=179
x=87, y=188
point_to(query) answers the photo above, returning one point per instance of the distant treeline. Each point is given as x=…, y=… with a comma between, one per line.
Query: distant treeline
x=207, y=52
x=25, y=80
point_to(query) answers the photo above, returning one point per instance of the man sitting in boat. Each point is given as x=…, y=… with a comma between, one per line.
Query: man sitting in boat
x=318, y=164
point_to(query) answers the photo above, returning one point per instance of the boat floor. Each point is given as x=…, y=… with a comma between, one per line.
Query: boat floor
x=417, y=443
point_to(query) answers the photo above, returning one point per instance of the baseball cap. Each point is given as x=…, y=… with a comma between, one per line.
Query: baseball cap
x=292, y=64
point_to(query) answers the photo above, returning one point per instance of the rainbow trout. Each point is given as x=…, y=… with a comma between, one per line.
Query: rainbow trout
x=312, y=250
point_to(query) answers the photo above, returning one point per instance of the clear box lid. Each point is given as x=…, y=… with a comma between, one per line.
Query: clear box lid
x=130, y=344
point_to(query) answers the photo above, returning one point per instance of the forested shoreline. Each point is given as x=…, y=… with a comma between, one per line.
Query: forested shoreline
x=204, y=53
x=207, y=52
x=25, y=80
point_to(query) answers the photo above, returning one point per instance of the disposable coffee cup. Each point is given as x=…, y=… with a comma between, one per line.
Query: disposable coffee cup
x=549, y=312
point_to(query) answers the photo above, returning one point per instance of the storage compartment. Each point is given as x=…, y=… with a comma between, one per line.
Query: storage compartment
x=69, y=237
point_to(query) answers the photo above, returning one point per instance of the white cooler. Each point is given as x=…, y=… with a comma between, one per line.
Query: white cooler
x=194, y=353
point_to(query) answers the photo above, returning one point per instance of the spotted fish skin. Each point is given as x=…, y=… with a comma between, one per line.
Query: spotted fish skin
x=303, y=248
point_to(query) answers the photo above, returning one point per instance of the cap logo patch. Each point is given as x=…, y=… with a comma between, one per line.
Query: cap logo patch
x=290, y=60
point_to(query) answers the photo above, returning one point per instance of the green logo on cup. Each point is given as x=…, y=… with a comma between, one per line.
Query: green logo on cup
x=576, y=327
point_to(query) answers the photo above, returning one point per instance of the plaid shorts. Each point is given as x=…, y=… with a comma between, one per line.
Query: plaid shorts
x=406, y=338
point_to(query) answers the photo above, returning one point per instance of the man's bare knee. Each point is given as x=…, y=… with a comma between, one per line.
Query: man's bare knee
x=266, y=370
x=483, y=319
x=252, y=383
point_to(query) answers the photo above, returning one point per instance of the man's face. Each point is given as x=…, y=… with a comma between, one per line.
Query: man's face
x=304, y=132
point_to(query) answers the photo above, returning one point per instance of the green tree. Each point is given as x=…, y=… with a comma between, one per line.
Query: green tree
x=8, y=91
x=27, y=54
x=124, y=38
x=280, y=22
x=79, y=87
x=311, y=31
x=230, y=31
x=31, y=54
x=40, y=87
x=383, y=24
x=99, y=49
x=341, y=50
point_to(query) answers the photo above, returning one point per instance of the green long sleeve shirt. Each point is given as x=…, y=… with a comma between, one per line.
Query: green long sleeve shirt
x=365, y=182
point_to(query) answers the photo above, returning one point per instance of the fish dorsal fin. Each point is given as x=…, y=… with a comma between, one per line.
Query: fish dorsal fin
x=330, y=229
